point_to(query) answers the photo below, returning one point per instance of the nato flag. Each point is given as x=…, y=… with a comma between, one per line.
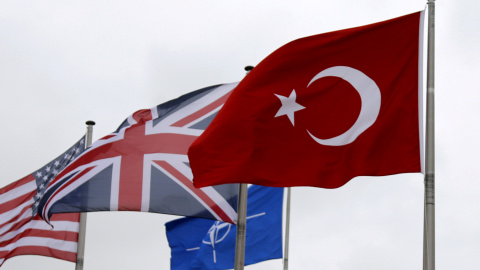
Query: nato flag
x=203, y=244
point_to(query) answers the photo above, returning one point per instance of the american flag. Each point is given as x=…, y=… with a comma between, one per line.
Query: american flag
x=143, y=165
x=22, y=232
x=45, y=175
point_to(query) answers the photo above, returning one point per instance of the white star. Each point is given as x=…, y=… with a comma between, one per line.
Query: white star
x=57, y=163
x=289, y=106
x=39, y=174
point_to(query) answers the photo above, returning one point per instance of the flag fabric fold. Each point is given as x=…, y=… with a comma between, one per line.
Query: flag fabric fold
x=143, y=165
x=322, y=110
x=202, y=244
x=22, y=231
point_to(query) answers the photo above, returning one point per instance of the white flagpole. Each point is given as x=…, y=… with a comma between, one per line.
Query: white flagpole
x=83, y=216
x=287, y=230
x=429, y=227
x=241, y=220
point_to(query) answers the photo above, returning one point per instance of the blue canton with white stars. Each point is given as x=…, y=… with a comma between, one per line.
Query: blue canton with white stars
x=46, y=174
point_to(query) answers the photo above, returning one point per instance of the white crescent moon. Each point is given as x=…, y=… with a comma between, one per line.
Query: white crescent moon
x=369, y=95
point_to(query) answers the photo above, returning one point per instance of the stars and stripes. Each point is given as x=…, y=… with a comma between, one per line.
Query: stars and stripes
x=47, y=173
x=22, y=232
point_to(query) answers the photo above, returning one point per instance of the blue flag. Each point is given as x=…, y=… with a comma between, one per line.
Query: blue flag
x=203, y=244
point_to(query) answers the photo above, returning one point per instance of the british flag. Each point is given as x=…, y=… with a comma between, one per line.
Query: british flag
x=143, y=165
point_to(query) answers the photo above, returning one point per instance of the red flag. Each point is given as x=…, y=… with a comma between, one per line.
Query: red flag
x=320, y=111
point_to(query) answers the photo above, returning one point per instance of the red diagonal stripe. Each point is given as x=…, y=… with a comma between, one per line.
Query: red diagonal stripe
x=202, y=195
x=74, y=178
x=202, y=112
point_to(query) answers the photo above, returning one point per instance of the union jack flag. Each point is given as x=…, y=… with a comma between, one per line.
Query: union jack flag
x=143, y=165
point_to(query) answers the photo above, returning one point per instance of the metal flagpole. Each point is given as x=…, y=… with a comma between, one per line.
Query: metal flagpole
x=429, y=227
x=83, y=216
x=287, y=230
x=241, y=220
x=241, y=227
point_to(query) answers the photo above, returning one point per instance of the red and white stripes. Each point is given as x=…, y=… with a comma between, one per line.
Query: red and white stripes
x=22, y=235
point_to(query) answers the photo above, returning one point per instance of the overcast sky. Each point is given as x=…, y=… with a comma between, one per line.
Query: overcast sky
x=65, y=62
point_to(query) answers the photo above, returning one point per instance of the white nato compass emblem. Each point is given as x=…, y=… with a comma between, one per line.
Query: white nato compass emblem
x=218, y=232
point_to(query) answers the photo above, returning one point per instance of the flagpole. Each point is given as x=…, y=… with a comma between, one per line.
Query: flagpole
x=241, y=220
x=429, y=227
x=287, y=230
x=83, y=216
x=241, y=227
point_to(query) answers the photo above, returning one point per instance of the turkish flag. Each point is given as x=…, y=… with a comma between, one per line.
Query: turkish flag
x=320, y=111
